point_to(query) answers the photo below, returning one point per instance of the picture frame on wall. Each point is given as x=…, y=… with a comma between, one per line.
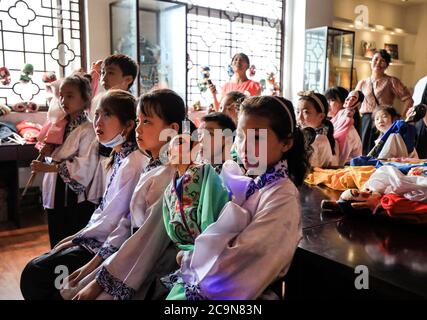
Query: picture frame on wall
x=368, y=48
x=393, y=50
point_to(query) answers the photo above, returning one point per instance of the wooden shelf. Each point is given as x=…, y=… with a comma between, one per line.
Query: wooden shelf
x=394, y=63
x=349, y=25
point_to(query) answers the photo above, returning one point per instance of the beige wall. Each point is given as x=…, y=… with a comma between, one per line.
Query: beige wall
x=98, y=29
x=411, y=47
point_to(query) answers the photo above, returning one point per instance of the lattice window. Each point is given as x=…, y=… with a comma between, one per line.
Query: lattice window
x=216, y=30
x=44, y=33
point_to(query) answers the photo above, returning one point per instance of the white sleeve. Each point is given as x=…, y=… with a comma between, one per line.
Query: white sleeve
x=125, y=271
x=394, y=147
x=322, y=153
x=104, y=221
x=240, y=264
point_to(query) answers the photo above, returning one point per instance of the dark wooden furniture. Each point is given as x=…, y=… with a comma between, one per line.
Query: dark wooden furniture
x=333, y=246
x=12, y=157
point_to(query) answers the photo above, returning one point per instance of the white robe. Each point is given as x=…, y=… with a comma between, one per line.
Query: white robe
x=115, y=205
x=352, y=147
x=389, y=179
x=250, y=245
x=132, y=265
x=322, y=153
x=80, y=154
x=395, y=147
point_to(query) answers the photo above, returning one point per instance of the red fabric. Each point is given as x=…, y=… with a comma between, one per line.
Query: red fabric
x=401, y=208
x=250, y=86
x=28, y=130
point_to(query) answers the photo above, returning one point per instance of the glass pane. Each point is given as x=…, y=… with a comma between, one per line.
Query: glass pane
x=162, y=45
x=123, y=34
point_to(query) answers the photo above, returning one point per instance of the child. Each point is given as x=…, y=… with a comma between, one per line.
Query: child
x=115, y=127
x=253, y=241
x=216, y=133
x=191, y=202
x=394, y=144
x=230, y=104
x=135, y=265
x=336, y=97
x=70, y=166
x=311, y=112
x=345, y=133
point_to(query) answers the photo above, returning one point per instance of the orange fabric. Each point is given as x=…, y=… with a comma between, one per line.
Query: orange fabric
x=341, y=179
x=401, y=208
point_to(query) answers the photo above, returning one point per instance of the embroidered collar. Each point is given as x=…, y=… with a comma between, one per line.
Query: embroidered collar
x=273, y=174
x=71, y=125
x=127, y=148
x=154, y=163
x=322, y=130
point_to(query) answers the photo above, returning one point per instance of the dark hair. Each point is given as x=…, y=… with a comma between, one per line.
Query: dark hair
x=388, y=109
x=244, y=57
x=127, y=65
x=385, y=55
x=336, y=93
x=82, y=84
x=237, y=96
x=270, y=108
x=224, y=121
x=120, y=104
x=165, y=103
x=325, y=121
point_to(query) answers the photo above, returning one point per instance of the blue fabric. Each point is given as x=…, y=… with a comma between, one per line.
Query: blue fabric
x=370, y=161
x=365, y=161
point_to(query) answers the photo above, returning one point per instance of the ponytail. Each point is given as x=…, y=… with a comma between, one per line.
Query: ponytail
x=330, y=134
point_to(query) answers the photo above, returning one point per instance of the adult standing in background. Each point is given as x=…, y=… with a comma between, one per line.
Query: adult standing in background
x=379, y=89
x=238, y=82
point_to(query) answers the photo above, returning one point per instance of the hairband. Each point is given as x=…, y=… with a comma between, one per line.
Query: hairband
x=287, y=110
x=311, y=94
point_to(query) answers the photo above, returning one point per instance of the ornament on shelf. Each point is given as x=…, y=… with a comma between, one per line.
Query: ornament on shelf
x=27, y=73
x=4, y=76
x=252, y=71
x=204, y=82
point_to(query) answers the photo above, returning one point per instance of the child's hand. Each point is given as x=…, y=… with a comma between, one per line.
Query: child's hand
x=96, y=66
x=38, y=166
x=90, y=292
x=81, y=273
x=63, y=245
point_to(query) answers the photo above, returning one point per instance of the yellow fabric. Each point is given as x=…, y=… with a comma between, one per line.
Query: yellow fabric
x=341, y=179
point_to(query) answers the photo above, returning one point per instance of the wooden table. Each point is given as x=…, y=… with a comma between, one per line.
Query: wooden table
x=332, y=246
x=13, y=157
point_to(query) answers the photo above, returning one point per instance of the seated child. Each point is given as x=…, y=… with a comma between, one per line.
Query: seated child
x=311, y=112
x=397, y=138
x=336, y=97
x=230, y=104
x=192, y=201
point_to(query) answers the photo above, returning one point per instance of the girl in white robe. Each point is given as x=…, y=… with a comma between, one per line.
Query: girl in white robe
x=69, y=167
x=114, y=127
x=158, y=111
x=394, y=146
x=312, y=110
x=252, y=243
